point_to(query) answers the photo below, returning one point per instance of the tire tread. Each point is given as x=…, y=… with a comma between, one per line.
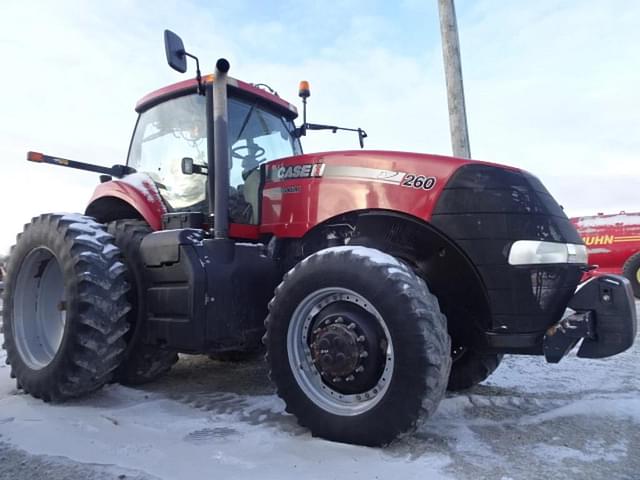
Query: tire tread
x=93, y=344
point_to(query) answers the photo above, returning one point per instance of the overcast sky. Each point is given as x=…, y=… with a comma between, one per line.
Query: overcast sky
x=551, y=86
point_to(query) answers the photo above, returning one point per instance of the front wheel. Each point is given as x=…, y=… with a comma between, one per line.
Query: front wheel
x=357, y=346
x=470, y=367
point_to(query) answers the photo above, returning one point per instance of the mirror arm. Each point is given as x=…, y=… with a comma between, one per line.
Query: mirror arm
x=302, y=130
x=198, y=74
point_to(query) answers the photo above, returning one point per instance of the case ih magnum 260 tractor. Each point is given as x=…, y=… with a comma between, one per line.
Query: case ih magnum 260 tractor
x=376, y=280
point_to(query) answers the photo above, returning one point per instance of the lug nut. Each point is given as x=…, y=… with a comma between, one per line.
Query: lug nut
x=360, y=339
x=364, y=354
x=351, y=326
x=350, y=378
x=359, y=369
x=336, y=380
x=339, y=320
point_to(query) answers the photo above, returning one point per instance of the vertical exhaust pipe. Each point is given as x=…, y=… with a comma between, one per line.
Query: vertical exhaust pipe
x=220, y=181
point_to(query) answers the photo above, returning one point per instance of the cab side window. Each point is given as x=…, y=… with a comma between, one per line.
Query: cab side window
x=256, y=135
x=164, y=135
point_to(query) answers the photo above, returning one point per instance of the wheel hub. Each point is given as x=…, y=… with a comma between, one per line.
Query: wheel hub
x=347, y=348
x=335, y=349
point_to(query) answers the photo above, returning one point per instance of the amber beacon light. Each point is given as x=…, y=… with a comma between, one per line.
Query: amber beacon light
x=303, y=89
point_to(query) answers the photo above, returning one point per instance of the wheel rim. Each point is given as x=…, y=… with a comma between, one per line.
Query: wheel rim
x=342, y=386
x=638, y=275
x=39, y=309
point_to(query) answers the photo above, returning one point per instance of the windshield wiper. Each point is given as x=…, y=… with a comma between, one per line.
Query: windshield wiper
x=245, y=122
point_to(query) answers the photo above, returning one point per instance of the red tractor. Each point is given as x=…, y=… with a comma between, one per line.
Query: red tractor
x=376, y=280
x=613, y=244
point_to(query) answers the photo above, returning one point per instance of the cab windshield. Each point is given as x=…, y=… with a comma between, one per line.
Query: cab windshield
x=175, y=129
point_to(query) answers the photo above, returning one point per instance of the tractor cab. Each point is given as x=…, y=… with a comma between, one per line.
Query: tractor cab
x=170, y=144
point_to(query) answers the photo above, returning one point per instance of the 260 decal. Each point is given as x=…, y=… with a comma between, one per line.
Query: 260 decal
x=421, y=182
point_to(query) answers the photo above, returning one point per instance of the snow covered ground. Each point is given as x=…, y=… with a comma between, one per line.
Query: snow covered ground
x=530, y=420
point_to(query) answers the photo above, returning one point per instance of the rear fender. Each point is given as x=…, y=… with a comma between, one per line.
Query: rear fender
x=132, y=196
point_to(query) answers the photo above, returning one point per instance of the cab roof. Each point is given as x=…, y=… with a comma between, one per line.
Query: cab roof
x=191, y=85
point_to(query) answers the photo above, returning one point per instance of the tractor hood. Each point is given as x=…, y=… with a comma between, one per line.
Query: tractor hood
x=303, y=191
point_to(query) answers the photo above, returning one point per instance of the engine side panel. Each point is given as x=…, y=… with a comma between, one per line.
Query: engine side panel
x=303, y=191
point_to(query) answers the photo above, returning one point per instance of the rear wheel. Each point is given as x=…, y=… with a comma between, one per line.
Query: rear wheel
x=357, y=345
x=631, y=270
x=470, y=368
x=64, y=307
x=142, y=363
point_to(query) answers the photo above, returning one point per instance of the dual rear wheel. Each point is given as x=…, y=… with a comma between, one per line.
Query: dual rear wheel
x=64, y=307
x=73, y=308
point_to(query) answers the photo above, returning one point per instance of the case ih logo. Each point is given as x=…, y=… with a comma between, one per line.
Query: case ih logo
x=285, y=172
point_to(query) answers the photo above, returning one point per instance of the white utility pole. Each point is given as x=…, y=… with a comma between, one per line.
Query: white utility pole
x=453, y=74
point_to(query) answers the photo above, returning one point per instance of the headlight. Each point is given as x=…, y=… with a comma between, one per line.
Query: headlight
x=534, y=252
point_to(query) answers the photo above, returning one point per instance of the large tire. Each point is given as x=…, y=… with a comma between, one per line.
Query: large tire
x=64, y=307
x=142, y=363
x=631, y=270
x=393, y=317
x=469, y=368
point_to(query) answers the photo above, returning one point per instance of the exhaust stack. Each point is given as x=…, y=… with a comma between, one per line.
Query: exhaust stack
x=219, y=175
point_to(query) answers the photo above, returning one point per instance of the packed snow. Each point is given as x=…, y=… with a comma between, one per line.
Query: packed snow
x=144, y=184
x=208, y=419
x=372, y=254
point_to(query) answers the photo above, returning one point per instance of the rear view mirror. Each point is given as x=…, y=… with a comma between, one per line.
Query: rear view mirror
x=174, y=49
x=187, y=166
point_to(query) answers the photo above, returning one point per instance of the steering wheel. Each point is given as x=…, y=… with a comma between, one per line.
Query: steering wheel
x=253, y=152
